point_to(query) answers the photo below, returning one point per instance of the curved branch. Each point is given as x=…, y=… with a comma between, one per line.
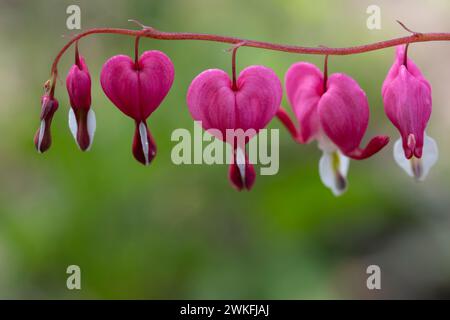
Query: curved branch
x=149, y=32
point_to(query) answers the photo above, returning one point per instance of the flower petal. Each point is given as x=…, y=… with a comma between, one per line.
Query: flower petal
x=144, y=147
x=241, y=172
x=415, y=167
x=82, y=125
x=212, y=100
x=304, y=87
x=333, y=169
x=78, y=83
x=407, y=103
x=344, y=116
x=137, y=90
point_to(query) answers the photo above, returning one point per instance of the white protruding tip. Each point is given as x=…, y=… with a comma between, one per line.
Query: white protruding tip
x=73, y=126
x=91, y=127
x=240, y=162
x=144, y=141
x=41, y=135
x=333, y=169
x=417, y=168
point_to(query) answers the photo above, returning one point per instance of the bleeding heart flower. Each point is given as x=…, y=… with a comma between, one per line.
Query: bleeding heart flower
x=407, y=103
x=335, y=112
x=43, y=138
x=248, y=104
x=82, y=121
x=137, y=88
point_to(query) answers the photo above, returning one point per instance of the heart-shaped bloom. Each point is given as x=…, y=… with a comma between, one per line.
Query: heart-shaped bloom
x=43, y=138
x=336, y=114
x=407, y=103
x=137, y=88
x=246, y=107
x=81, y=117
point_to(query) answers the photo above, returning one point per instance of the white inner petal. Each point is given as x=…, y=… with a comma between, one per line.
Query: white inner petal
x=417, y=168
x=144, y=140
x=430, y=156
x=41, y=134
x=73, y=124
x=91, y=126
x=240, y=161
x=333, y=169
x=399, y=157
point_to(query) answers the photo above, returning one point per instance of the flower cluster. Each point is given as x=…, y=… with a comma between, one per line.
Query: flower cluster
x=331, y=110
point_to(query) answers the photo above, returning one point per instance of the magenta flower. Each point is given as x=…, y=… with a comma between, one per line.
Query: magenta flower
x=43, y=138
x=82, y=121
x=407, y=103
x=247, y=105
x=137, y=88
x=335, y=112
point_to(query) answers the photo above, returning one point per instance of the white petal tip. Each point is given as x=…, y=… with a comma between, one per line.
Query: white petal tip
x=333, y=169
x=414, y=167
x=144, y=141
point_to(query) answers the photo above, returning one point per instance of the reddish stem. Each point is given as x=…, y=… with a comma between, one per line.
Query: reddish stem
x=325, y=74
x=77, y=56
x=149, y=32
x=136, y=52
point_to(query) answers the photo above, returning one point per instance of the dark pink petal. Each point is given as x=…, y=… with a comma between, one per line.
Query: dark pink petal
x=144, y=147
x=375, y=144
x=241, y=175
x=395, y=69
x=258, y=97
x=43, y=138
x=408, y=103
x=344, y=116
x=284, y=117
x=304, y=87
x=212, y=100
x=78, y=83
x=137, y=90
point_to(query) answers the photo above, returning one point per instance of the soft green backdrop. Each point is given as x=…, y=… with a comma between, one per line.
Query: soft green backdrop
x=168, y=231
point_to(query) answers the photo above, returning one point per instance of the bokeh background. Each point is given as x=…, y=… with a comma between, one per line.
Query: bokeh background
x=177, y=232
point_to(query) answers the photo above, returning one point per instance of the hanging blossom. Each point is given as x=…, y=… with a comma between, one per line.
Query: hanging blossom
x=334, y=112
x=407, y=103
x=243, y=105
x=82, y=121
x=49, y=105
x=137, y=88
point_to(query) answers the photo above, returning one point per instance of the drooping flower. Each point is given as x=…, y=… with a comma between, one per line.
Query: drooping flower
x=82, y=121
x=43, y=138
x=137, y=88
x=248, y=104
x=333, y=111
x=407, y=103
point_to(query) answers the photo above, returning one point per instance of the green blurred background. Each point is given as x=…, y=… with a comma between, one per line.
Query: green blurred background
x=183, y=232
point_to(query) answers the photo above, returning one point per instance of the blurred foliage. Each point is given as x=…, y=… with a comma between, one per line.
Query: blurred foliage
x=168, y=231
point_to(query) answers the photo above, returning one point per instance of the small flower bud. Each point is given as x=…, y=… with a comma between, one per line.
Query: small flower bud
x=42, y=138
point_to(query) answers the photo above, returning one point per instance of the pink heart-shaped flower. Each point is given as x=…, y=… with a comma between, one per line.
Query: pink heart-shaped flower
x=137, y=88
x=250, y=105
x=212, y=99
